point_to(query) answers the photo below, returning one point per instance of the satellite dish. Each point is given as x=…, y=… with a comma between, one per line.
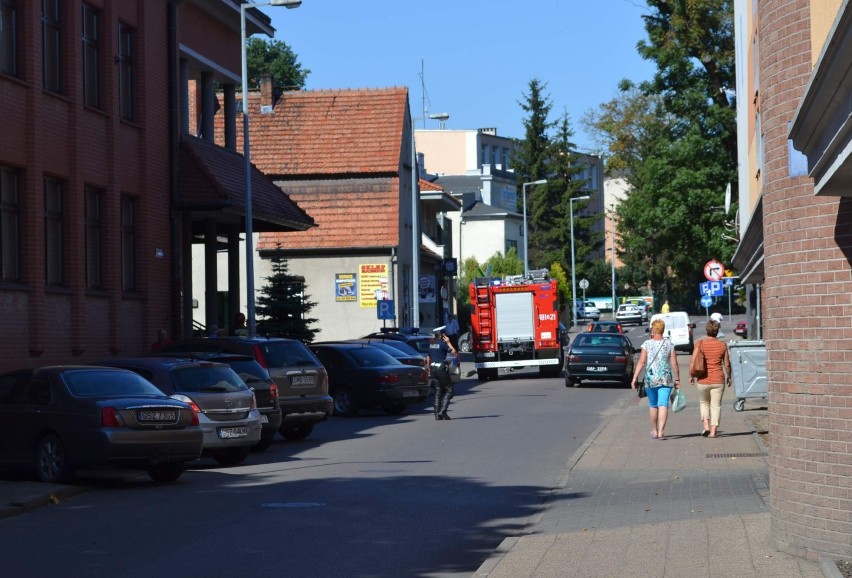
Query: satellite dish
x=728, y=199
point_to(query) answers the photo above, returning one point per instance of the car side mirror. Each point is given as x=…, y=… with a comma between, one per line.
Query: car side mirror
x=647, y=330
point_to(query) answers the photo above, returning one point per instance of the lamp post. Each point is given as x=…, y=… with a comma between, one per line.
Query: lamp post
x=247, y=154
x=415, y=224
x=573, y=268
x=612, y=260
x=526, y=242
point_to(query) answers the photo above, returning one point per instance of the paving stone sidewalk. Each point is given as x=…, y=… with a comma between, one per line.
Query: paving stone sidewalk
x=686, y=506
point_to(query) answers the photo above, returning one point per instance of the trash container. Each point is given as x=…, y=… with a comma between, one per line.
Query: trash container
x=748, y=370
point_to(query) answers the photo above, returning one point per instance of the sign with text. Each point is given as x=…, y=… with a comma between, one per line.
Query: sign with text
x=712, y=289
x=373, y=284
x=346, y=287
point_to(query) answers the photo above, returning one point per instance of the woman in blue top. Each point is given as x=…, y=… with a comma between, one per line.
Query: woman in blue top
x=659, y=360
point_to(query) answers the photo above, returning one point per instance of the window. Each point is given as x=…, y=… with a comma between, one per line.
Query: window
x=511, y=244
x=51, y=49
x=93, y=238
x=9, y=37
x=91, y=58
x=128, y=243
x=53, y=273
x=125, y=72
x=9, y=237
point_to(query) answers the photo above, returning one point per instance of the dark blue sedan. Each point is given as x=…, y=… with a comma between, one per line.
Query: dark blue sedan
x=599, y=357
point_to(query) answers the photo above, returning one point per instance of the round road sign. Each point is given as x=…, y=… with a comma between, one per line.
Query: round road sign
x=706, y=301
x=713, y=270
x=584, y=284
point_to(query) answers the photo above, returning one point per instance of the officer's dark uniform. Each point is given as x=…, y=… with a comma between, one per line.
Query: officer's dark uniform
x=439, y=368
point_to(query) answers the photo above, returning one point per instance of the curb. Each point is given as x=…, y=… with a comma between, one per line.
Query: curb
x=38, y=496
x=829, y=568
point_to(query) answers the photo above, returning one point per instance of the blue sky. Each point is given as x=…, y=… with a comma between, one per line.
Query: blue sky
x=477, y=57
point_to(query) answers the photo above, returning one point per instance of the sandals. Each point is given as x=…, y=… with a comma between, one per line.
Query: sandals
x=653, y=435
x=705, y=432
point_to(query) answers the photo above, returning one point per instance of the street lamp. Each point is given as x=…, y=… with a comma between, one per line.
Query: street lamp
x=247, y=154
x=612, y=260
x=526, y=242
x=415, y=223
x=573, y=269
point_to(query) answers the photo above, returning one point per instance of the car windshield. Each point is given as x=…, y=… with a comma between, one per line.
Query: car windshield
x=206, y=379
x=101, y=383
x=398, y=345
x=590, y=339
x=675, y=322
x=421, y=345
x=287, y=354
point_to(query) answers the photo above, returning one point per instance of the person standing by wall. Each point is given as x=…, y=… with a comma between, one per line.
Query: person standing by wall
x=659, y=361
x=163, y=340
x=440, y=349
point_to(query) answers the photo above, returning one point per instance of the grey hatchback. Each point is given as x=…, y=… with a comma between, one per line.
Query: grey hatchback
x=301, y=379
x=227, y=410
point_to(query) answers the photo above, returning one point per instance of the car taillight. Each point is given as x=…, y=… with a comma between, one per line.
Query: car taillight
x=273, y=392
x=261, y=359
x=194, y=419
x=110, y=418
x=573, y=357
x=388, y=378
x=188, y=401
x=620, y=359
x=424, y=375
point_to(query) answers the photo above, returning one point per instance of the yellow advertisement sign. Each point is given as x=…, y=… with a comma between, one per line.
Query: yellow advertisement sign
x=373, y=284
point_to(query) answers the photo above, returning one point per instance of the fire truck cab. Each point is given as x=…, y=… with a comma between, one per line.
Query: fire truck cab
x=515, y=323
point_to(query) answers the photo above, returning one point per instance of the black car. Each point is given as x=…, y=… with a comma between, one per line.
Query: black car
x=58, y=419
x=418, y=341
x=600, y=357
x=399, y=350
x=258, y=380
x=301, y=379
x=361, y=375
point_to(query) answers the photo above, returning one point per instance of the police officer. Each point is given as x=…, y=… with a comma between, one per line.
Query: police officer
x=439, y=367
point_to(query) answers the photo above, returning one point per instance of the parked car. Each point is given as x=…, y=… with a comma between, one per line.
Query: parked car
x=606, y=327
x=418, y=341
x=58, y=419
x=363, y=376
x=678, y=329
x=399, y=350
x=627, y=313
x=590, y=311
x=643, y=307
x=464, y=342
x=256, y=377
x=301, y=379
x=226, y=406
x=599, y=356
x=741, y=329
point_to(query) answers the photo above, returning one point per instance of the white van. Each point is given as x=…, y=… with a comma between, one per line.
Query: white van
x=678, y=329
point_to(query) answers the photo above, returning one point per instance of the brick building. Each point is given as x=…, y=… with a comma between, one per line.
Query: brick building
x=795, y=250
x=96, y=219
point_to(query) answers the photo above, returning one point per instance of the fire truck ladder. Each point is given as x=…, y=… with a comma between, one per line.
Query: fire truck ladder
x=484, y=310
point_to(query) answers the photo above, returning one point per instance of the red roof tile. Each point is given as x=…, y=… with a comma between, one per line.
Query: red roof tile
x=330, y=132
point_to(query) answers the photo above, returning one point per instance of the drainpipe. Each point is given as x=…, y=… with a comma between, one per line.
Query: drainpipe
x=179, y=324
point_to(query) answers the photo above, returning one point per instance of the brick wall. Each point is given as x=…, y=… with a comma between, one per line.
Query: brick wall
x=807, y=311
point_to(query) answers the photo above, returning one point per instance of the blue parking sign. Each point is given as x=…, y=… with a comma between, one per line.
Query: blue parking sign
x=384, y=309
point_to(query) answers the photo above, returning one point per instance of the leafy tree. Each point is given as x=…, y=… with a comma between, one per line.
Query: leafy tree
x=563, y=286
x=278, y=59
x=505, y=264
x=674, y=140
x=283, y=305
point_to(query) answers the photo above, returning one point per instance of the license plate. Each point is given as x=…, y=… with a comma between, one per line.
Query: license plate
x=227, y=433
x=409, y=393
x=302, y=380
x=596, y=368
x=157, y=415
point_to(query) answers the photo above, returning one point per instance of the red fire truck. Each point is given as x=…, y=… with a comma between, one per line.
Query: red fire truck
x=515, y=323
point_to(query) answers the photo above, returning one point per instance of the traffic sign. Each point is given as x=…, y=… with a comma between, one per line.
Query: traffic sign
x=384, y=309
x=711, y=288
x=706, y=301
x=713, y=270
x=584, y=284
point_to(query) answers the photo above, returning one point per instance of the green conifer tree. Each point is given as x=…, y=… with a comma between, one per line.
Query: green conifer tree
x=282, y=306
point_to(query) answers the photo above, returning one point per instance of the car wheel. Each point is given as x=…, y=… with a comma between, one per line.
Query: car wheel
x=296, y=432
x=52, y=461
x=166, y=473
x=232, y=456
x=394, y=408
x=263, y=444
x=464, y=346
x=344, y=403
x=577, y=382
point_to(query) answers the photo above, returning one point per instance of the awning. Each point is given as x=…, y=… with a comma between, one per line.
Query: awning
x=212, y=184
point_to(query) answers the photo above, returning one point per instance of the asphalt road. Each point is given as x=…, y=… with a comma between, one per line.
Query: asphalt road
x=370, y=496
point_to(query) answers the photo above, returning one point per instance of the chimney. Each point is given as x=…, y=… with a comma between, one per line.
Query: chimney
x=266, y=92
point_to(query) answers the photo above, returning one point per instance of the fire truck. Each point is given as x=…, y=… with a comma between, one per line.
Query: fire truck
x=515, y=323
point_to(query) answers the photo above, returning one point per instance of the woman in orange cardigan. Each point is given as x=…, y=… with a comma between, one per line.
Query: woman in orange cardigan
x=711, y=387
